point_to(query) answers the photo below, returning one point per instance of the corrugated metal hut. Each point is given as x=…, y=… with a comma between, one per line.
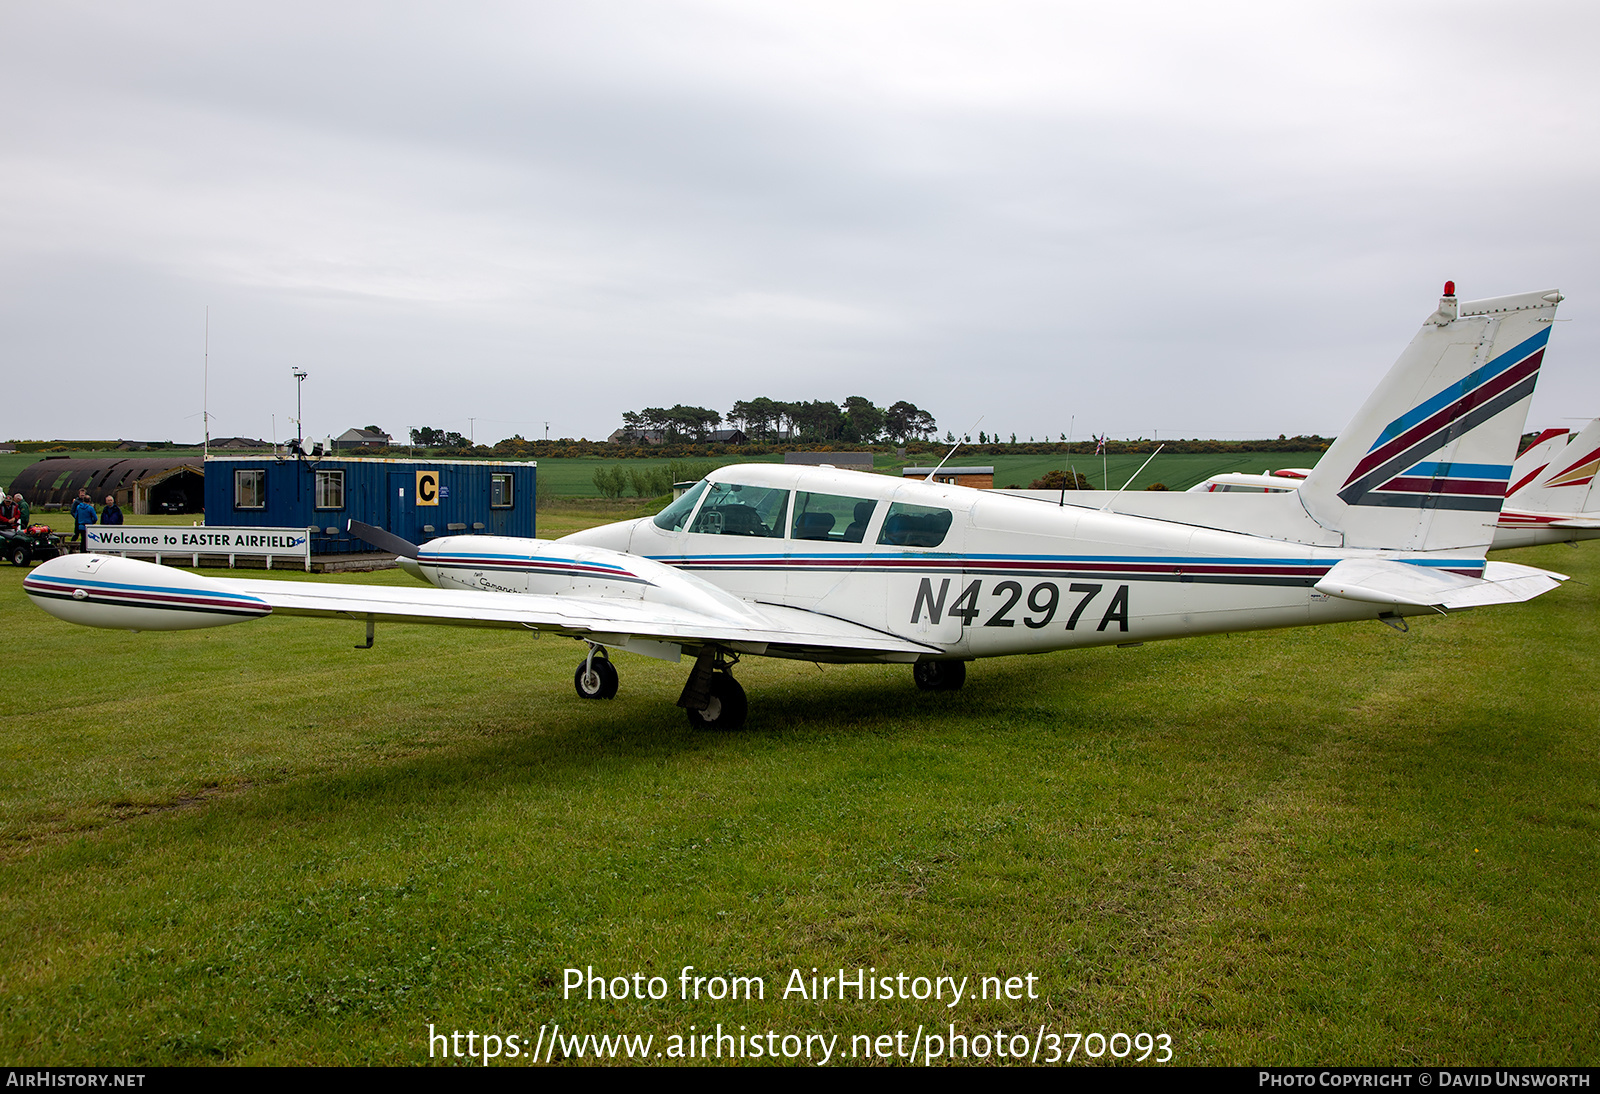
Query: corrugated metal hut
x=145, y=483
x=417, y=499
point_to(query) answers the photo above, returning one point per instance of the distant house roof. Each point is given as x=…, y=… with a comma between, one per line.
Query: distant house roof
x=362, y=438
x=239, y=442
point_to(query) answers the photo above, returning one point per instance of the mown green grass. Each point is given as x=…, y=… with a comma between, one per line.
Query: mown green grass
x=1341, y=845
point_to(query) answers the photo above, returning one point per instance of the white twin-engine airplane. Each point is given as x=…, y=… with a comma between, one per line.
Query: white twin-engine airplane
x=819, y=564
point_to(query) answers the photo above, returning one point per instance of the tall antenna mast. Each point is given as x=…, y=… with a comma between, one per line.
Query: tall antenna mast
x=205, y=392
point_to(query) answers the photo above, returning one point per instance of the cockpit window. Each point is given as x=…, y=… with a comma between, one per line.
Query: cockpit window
x=673, y=517
x=831, y=518
x=735, y=510
x=914, y=526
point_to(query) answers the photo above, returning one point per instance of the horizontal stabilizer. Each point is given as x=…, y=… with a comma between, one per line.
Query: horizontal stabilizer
x=1576, y=522
x=1405, y=585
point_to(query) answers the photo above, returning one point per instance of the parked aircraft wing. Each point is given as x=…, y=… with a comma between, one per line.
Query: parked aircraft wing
x=1405, y=584
x=126, y=594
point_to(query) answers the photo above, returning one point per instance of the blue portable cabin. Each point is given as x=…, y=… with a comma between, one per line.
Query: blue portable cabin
x=417, y=499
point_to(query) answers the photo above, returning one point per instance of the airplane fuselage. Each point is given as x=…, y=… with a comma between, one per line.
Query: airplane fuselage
x=1006, y=575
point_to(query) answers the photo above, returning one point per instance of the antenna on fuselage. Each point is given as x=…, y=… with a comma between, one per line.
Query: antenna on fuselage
x=1071, y=424
x=1133, y=476
x=952, y=452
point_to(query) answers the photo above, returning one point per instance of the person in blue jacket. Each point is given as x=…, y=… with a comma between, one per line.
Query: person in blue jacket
x=112, y=513
x=82, y=517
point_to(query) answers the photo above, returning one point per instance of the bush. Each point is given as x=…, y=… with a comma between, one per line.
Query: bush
x=1060, y=480
x=610, y=481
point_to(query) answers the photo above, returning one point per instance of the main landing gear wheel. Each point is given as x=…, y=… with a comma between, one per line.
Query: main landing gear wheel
x=726, y=708
x=939, y=675
x=596, y=678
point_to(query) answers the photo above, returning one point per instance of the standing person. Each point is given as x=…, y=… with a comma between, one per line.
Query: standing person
x=24, y=508
x=82, y=517
x=111, y=514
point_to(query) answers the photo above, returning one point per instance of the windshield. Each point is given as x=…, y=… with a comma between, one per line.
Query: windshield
x=676, y=515
x=732, y=509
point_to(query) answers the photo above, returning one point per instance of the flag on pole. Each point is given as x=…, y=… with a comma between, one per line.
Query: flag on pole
x=1100, y=446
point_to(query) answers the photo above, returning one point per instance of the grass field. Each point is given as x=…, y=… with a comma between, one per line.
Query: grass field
x=1344, y=845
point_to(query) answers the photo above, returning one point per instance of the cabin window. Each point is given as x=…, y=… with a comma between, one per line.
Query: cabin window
x=250, y=489
x=500, y=491
x=330, y=489
x=831, y=518
x=735, y=510
x=914, y=526
x=676, y=515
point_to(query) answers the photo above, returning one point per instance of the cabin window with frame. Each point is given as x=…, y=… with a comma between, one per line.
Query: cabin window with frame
x=330, y=490
x=914, y=526
x=732, y=509
x=831, y=518
x=250, y=489
x=500, y=491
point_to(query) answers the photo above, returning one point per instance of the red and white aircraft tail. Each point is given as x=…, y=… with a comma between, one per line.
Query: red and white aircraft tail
x=1557, y=503
x=1567, y=485
x=1535, y=460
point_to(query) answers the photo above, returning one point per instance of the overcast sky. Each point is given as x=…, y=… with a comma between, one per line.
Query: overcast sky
x=1186, y=219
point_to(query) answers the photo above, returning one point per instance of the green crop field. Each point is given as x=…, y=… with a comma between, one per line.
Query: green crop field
x=1177, y=471
x=260, y=845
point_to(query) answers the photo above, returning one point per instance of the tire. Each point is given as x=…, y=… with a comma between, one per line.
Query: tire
x=19, y=555
x=939, y=675
x=595, y=679
x=727, y=708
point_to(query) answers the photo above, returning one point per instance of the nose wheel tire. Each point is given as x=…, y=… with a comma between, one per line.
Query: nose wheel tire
x=596, y=678
x=727, y=706
x=939, y=675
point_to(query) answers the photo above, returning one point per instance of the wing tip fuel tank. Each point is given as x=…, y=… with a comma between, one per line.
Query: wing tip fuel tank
x=126, y=594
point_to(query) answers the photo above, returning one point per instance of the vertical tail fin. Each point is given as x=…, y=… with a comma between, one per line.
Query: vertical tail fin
x=1567, y=485
x=1535, y=461
x=1426, y=462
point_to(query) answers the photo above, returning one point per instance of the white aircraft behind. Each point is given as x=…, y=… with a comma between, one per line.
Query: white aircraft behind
x=820, y=564
x=1239, y=482
x=1549, y=494
x=1552, y=497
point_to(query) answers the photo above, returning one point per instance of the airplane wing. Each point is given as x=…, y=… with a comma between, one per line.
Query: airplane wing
x=1403, y=584
x=121, y=593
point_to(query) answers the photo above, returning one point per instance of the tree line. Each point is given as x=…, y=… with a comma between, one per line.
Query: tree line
x=856, y=421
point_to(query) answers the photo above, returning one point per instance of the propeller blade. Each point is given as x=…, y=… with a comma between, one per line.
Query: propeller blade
x=383, y=541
